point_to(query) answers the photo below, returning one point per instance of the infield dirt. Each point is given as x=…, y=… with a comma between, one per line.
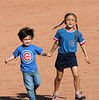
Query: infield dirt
x=42, y=16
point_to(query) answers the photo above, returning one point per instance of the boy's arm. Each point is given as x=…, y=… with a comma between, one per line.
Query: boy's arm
x=85, y=53
x=10, y=58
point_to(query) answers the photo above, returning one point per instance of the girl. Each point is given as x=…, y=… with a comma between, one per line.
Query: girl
x=27, y=52
x=67, y=38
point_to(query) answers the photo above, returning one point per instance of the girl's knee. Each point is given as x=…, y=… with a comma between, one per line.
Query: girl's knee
x=58, y=78
x=76, y=76
x=59, y=75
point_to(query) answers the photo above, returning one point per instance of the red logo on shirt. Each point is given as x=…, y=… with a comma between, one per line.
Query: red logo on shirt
x=27, y=56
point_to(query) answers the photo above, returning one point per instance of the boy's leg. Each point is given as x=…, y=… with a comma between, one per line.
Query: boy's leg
x=36, y=79
x=28, y=82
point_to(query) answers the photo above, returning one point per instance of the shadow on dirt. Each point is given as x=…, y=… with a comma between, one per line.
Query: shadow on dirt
x=22, y=96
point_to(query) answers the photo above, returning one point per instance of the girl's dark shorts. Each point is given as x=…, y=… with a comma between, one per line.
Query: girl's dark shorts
x=65, y=61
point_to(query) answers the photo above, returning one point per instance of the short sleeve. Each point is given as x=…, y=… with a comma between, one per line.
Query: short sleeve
x=56, y=37
x=81, y=39
x=16, y=53
x=38, y=50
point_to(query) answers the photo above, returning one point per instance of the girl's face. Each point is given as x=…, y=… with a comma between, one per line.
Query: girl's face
x=70, y=22
x=27, y=41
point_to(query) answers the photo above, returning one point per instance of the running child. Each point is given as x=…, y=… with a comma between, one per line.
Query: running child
x=66, y=39
x=27, y=52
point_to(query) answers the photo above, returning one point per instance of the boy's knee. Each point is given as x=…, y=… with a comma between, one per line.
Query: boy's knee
x=38, y=84
x=29, y=88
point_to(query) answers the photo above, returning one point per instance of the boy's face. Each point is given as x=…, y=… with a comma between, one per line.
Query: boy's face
x=27, y=40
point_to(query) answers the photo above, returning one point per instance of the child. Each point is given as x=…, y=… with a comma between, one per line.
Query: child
x=67, y=38
x=27, y=53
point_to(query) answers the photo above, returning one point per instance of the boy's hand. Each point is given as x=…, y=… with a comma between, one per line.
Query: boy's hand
x=10, y=58
x=46, y=54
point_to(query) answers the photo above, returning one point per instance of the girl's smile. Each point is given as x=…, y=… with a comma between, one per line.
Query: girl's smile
x=70, y=22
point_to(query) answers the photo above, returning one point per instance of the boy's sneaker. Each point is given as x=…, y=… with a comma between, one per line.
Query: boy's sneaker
x=79, y=96
x=55, y=97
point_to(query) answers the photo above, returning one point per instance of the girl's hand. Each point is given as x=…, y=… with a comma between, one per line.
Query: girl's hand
x=45, y=54
x=49, y=55
x=6, y=61
x=87, y=60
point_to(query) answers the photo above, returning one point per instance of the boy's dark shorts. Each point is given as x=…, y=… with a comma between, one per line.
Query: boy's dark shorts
x=65, y=61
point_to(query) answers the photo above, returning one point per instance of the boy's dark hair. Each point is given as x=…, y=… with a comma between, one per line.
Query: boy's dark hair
x=24, y=32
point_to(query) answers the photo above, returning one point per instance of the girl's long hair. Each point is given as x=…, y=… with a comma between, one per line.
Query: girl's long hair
x=64, y=21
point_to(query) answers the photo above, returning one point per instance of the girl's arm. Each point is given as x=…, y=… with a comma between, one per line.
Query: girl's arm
x=85, y=53
x=10, y=58
x=44, y=53
x=54, y=47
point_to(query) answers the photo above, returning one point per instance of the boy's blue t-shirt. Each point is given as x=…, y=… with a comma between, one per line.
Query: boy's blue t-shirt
x=27, y=55
x=67, y=43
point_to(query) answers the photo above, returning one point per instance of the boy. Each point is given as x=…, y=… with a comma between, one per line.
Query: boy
x=27, y=51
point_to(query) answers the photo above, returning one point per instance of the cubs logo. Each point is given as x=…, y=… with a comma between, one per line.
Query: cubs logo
x=27, y=56
x=72, y=42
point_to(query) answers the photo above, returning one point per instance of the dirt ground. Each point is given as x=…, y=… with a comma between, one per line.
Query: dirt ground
x=42, y=16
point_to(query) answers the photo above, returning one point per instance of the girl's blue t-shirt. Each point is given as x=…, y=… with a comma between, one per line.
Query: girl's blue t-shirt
x=27, y=56
x=67, y=43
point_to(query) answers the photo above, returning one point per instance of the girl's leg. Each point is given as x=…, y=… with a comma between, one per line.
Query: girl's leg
x=76, y=79
x=57, y=84
x=78, y=93
x=58, y=80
